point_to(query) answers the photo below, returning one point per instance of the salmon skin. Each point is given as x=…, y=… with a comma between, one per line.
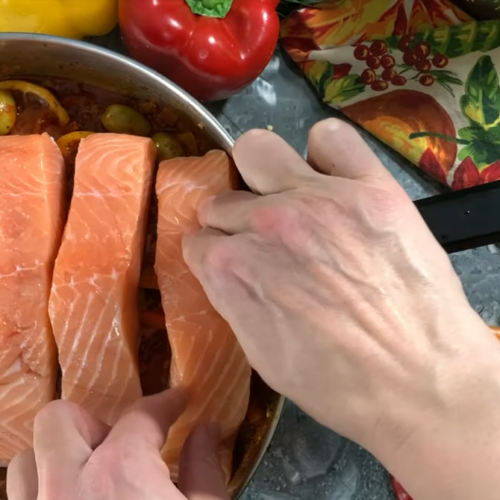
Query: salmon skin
x=32, y=187
x=206, y=357
x=93, y=303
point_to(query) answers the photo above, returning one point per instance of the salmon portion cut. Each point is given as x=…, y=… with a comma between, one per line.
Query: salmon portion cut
x=206, y=357
x=32, y=186
x=93, y=303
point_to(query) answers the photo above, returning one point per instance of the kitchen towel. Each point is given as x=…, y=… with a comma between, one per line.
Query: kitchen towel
x=421, y=75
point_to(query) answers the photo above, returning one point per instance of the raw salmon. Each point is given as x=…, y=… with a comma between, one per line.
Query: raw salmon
x=206, y=357
x=32, y=186
x=93, y=303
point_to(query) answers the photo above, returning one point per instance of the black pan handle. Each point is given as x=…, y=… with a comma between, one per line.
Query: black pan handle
x=464, y=219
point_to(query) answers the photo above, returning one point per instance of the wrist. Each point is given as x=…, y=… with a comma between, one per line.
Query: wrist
x=449, y=448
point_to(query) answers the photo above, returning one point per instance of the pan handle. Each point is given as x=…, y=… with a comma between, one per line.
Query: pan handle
x=464, y=219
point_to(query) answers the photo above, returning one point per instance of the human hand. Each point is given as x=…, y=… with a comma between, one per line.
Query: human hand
x=76, y=456
x=344, y=302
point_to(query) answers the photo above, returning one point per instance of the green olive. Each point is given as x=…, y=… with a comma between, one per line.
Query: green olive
x=121, y=119
x=8, y=112
x=168, y=146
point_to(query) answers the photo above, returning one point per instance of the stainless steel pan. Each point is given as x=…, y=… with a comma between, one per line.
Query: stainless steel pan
x=34, y=56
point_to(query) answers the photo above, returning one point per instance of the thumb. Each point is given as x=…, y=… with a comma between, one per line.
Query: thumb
x=200, y=472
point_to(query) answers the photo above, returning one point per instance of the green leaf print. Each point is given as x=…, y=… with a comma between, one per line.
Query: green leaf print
x=480, y=104
x=325, y=77
x=483, y=153
x=464, y=38
x=476, y=133
x=481, y=101
x=343, y=89
x=461, y=41
x=458, y=40
x=483, y=145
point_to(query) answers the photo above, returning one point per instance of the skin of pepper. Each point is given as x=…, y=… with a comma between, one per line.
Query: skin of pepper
x=67, y=18
x=211, y=58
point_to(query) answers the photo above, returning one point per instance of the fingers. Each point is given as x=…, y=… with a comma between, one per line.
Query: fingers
x=64, y=437
x=335, y=148
x=200, y=472
x=148, y=420
x=228, y=212
x=63, y=429
x=22, y=477
x=196, y=247
x=270, y=166
x=267, y=163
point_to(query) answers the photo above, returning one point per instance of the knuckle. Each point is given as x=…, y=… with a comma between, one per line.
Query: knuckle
x=286, y=222
x=220, y=257
x=387, y=203
x=274, y=219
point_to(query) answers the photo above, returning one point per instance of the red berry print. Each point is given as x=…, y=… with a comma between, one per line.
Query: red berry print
x=440, y=61
x=380, y=85
x=399, y=80
x=405, y=42
x=368, y=76
x=388, y=74
x=426, y=80
x=409, y=58
x=361, y=52
x=378, y=48
x=373, y=62
x=423, y=50
x=423, y=65
x=387, y=61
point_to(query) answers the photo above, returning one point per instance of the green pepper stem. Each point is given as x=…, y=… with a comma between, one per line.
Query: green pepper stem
x=210, y=8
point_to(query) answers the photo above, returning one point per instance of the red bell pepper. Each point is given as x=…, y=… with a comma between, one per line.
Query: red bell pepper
x=211, y=48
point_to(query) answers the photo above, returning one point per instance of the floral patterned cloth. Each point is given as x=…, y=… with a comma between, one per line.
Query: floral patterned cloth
x=421, y=75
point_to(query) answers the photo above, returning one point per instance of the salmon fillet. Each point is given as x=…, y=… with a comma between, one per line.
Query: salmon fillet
x=32, y=186
x=93, y=303
x=206, y=357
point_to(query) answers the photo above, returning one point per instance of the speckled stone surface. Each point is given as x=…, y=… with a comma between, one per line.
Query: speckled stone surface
x=306, y=461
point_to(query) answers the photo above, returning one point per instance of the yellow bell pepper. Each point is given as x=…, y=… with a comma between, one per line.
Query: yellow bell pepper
x=67, y=18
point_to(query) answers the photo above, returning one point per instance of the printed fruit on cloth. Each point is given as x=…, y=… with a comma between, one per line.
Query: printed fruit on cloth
x=395, y=115
x=413, y=78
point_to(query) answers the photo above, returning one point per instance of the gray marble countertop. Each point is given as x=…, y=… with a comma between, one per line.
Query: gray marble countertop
x=306, y=461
